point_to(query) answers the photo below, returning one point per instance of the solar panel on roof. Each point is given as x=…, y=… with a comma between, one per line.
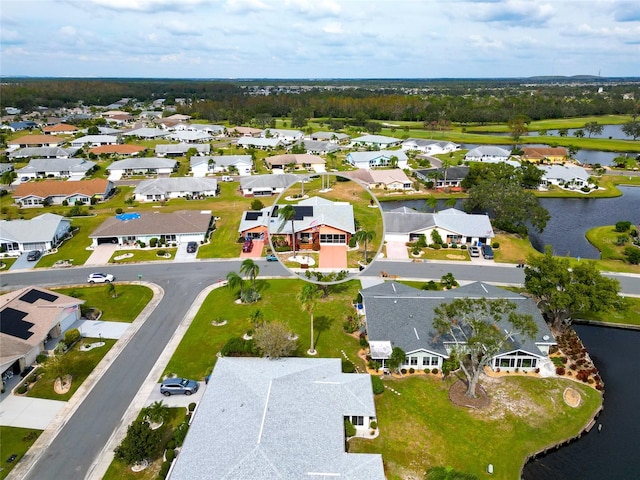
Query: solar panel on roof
x=303, y=211
x=33, y=295
x=252, y=216
x=11, y=323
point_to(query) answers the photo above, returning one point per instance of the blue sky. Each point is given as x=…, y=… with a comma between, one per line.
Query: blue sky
x=319, y=38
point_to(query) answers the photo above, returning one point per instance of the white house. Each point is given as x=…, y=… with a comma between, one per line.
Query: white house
x=260, y=143
x=487, y=154
x=278, y=163
x=55, y=192
x=73, y=168
x=453, y=226
x=190, y=136
x=429, y=147
x=94, y=140
x=378, y=141
x=381, y=158
x=43, y=233
x=566, y=176
x=175, y=187
x=313, y=147
x=267, y=185
x=43, y=152
x=285, y=136
x=203, y=166
x=146, y=132
x=401, y=316
x=181, y=149
x=394, y=179
x=333, y=137
x=30, y=317
x=141, y=166
x=176, y=227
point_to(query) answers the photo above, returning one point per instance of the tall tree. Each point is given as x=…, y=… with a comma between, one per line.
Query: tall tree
x=632, y=129
x=288, y=214
x=564, y=292
x=593, y=128
x=396, y=359
x=518, y=126
x=274, y=340
x=308, y=297
x=365, y=236
x=251, y=270
x=431, y=202
x=472, y=325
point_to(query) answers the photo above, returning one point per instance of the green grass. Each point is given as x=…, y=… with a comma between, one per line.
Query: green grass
x=142, y=255
x=421, y=428
x=196, y=354
x=126, y=307
x=76, y=247
x=7, y=262
x=630, y=316
x=15, y=441
x=118, y=470
x=80, y=365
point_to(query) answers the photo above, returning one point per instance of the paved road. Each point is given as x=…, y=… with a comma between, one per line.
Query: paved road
x=81, y=439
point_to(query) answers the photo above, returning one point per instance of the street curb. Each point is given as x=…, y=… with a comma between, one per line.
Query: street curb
x=57, y=424
x=100, y=465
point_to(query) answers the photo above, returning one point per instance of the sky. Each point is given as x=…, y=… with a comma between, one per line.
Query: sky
x=319, y=38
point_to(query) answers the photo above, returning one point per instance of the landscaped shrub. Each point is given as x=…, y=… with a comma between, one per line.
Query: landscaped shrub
x=436, y=246
x=363, y=342
x=22, y=389
x=374, y=365
x=454, y=245
x=71, y=336
x=161, y=253
x=139, y=443
x=353, y=242
x=170, y=455
x=623, y=226
x=349, y=428
x=348, y=366
x=238, y=347
x=430, y=285
x=351, y=324
x=377, y=385
x=495, y=245
x=444, y=245
x=164, y=470
x=463, y=247
x=435, y=371
x=560, y=371
x=403, y=371
x=142, y=244
x=412, y=370
x=192, y=406
x=41, y=358
x=153, y=242
x=422, y=241
x=181, y=432
x=373, y=425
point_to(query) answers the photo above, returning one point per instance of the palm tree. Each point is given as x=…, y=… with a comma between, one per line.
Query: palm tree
x=287, y=213
x=157, y=412
x=431, y=202
x=366, y=236
x=251, y=270
x=235, y=281
x=307, y=299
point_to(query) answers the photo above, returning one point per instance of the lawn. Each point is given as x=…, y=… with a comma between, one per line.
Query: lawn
x=420, y=428
x=6, y=262
x=631, y=316
x=76, y=247
x=126, y=307
x=80, y=365
x=196, y=353
x=118, y=470
x=138, y=255
x=15, y=441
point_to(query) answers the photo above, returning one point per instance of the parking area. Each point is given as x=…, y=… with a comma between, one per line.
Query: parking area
x=22, y=263
x=256, y=251
x=333, y=256
x=175, y=400
x=182, y=255
x=101, y=254
x=397, y=251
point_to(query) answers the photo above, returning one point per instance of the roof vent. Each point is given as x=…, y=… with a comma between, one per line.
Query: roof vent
x=545, y=337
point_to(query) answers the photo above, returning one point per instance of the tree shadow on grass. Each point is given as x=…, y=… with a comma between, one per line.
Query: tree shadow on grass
x=321, y=324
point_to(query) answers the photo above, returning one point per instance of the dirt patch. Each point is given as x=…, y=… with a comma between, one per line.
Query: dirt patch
x=62, y=385
x=458, y=397
x=456, y=257
x=506, y=400
x=571, y=397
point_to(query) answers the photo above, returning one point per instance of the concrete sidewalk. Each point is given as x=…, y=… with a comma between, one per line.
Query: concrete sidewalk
x=28, y=412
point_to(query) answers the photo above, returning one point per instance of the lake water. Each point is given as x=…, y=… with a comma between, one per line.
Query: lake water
x=608, y=131
x=611, y=453
x=570, y=219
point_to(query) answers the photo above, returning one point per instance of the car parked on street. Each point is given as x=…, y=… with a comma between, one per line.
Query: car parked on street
x=247, y=246
x=100, y=278
x=474, y=251
x=487, y=252
x=34, y=255
x=177, y=385
x=272, y=258
x=192, y=247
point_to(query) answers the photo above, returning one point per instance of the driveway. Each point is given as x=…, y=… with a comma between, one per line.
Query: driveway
x=27, y=412
x=397, y=251
x=101, y=328
x=182, y=255
x=22, y=263
x=101, y=254
x=333, y=256
x=175, y=400
x=256, y=251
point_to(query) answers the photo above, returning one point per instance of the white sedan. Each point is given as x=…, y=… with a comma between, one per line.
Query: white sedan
x=100, y=278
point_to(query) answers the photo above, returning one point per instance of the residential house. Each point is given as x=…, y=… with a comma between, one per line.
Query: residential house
x=333, y=137
x=259, y=143
x=123, y=150
x=267, y=185
x=244, y=132
x=287, y=137
x=381, y=158
x=401, y=316
x=454, y=226
x=314, y=147
x=43, y=233
x=34, y=141
x=487, y=154
x=203, y=166
x=376, y=141
x=254, y=224
x=394, y=179
x=297, y=161
x=214, y=130
x=28, y=318
x=181, y=149
x=55, y=192
x=94, y=140
x=566, y=176
x=450, y=177
x=60, y=129
x=544, y=154
x=146, y=133
x=161, y=189
x=5, y=167
x=287, y=417
x=72, y=168
x=190, y=136
x=43, y=152
x=19, y=126
x=317, y=222
x=429, y=147
x=141, y=166
x=176, y=227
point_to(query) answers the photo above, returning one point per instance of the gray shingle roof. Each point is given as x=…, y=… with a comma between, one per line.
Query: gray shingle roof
x=270, y=181
x=155, y=223
x=39, y=229
x=57, y=165
x=406, y=220
x=404, y=315
x=142, y=163
x=325, y=212
x=277, y=419
x=181, y=148
x=222, y=160
x=43, y=152
x=160, y=186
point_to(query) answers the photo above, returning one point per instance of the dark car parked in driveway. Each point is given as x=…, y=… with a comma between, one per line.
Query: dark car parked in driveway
x=34, y=255
x=192, y=247
x=487, y=252
x=247, y=246
x=172, y=386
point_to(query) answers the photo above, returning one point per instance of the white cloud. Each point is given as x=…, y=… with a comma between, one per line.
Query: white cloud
x=314, y=8
x=148, y=5
x=10, y=37
x=68, y=31
x=486, y=44
x=514, y=12
x=178, y=27
x=334, y=28
x=246, y=6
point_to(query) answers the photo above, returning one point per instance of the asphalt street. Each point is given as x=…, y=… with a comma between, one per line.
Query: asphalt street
x=81, y=439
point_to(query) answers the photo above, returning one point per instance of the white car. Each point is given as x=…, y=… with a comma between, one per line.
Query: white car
x=100, y=278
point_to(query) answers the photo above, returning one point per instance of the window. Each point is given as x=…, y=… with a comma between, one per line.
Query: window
x=413, y=361
x=333, y=238
x=426, y=361
x=358, y=421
